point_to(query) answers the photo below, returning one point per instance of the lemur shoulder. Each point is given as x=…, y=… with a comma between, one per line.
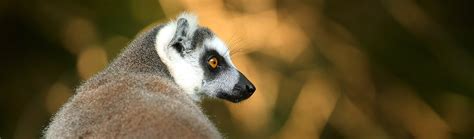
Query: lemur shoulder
x=152, y=89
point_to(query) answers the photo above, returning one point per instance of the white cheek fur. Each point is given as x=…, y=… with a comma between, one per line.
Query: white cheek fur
x=185, y=70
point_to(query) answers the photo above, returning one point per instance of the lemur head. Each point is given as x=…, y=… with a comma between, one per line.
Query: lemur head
x=199, y=61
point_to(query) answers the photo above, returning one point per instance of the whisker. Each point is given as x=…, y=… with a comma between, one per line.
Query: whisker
x=238, y=46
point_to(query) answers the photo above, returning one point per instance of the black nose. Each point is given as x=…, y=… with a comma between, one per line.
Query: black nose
x=244, y=86
x=241, y=91
x=250, y=88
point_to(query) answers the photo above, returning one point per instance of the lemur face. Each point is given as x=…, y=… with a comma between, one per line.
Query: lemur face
x=200, y=62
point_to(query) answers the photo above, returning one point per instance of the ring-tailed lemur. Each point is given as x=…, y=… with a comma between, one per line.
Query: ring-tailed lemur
x=151, y=90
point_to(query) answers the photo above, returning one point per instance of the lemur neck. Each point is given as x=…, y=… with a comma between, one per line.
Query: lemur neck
x=141, y=57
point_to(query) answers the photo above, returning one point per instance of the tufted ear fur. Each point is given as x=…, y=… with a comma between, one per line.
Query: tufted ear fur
x=180, y=39
x=186, y=24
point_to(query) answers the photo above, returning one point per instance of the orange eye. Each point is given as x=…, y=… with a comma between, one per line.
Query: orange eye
x=213, y=62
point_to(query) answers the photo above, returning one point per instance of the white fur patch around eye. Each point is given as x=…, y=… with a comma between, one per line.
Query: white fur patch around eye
x=215, y=43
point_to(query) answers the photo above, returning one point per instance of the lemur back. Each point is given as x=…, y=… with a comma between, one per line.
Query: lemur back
x=152, y=88
x=149, y=105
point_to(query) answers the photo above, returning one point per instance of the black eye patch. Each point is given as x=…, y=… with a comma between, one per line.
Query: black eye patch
x=208, y=71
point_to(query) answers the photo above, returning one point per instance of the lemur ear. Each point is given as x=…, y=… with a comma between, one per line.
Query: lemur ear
x=180, y=40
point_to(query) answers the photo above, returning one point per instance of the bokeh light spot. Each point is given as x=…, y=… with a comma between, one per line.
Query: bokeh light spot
x=91, y=61
x=57, y=95
x=78, y=33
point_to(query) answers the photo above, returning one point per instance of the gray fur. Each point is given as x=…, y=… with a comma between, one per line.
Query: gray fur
x=134, y=97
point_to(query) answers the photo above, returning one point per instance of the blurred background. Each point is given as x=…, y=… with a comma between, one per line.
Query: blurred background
x=323, y=68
